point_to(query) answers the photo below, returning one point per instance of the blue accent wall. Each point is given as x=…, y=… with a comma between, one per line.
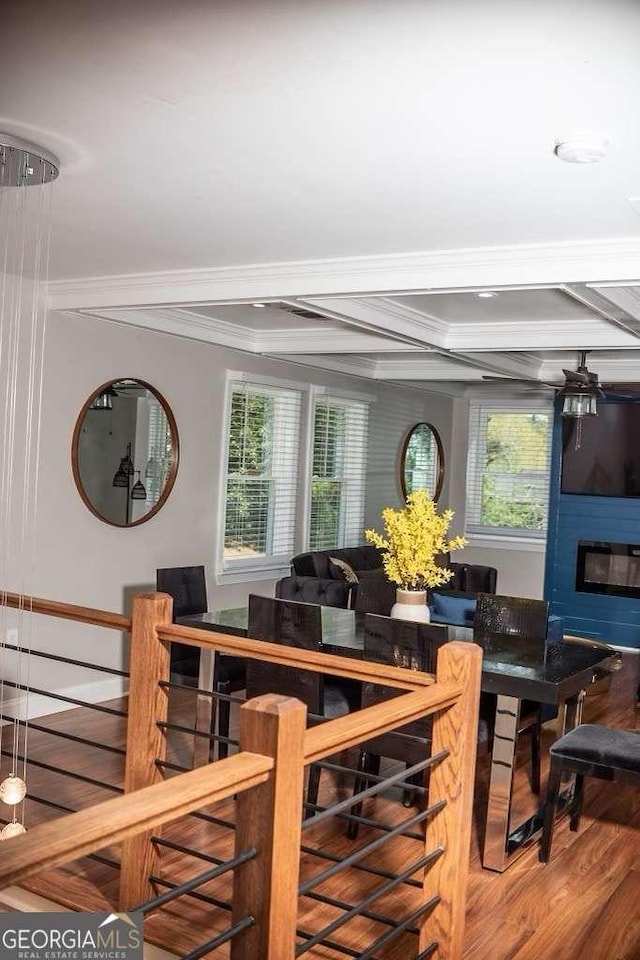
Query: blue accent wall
x=572, y=518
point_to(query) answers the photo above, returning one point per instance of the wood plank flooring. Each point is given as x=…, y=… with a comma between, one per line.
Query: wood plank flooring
x=583, y=904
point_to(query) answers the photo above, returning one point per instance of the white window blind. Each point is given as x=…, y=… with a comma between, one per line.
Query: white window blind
x=339, y=451
x=157, y=465
x=262, y=472
x=508, y=469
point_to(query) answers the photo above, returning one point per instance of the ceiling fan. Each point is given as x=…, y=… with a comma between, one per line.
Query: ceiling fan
x=580, y=390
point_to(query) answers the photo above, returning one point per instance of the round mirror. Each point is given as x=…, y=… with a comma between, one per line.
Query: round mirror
x=421, y=461
x=125, y=452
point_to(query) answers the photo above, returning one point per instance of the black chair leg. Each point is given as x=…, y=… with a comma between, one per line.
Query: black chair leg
x=367, y=763
x=224, y=716
x=553, y=789
x=536, y=730
x=313, y=786
x=576, y=804
x=358, y=785
x=409, y=796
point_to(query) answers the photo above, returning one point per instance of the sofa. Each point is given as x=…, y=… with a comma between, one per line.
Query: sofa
x=369, y=591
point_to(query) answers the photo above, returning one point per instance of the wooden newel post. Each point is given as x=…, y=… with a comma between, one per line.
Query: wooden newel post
x=455, y=729
x=150, y=662
x=268, y=818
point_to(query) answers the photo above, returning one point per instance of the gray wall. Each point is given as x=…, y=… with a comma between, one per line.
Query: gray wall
x=84, y=561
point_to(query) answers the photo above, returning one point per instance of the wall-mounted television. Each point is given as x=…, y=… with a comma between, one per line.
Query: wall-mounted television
x=601, y=454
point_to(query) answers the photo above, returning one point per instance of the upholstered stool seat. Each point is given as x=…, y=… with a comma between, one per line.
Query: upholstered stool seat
x=591, y=750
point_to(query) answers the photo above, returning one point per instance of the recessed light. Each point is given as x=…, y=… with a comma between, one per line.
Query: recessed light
x=260, y=305
x=486, y=294
x=585, y=147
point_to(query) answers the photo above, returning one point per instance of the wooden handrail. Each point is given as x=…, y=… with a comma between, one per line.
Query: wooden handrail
x=343, y=732
x=266, y=775
x=364, y=670
x=68, y=611
x=61, y=841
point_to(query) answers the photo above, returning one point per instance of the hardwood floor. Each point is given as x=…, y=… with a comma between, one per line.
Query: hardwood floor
x=583, y=904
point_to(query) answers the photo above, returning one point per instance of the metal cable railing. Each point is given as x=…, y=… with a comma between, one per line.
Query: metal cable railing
x=395, y=927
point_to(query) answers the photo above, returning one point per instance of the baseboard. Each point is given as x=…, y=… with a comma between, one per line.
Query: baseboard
x=27, y=706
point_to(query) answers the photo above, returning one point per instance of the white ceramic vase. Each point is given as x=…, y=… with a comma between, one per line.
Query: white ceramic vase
x=411, y=605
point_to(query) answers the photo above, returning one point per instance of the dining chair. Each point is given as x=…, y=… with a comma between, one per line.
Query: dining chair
x=188, y=587
x=326, y=592
x=400, y=643
x=374, y=594
x=590, y=750
x=501, y=616
x=296, y=625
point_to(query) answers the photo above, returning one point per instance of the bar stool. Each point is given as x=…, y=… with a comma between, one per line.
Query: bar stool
x=591, y=750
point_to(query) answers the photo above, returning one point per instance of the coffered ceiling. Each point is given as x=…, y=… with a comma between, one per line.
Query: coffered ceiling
x=364, y=170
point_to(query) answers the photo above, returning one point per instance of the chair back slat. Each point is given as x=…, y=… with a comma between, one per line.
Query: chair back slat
x=294, y=625
x=511, y=616
x=401, y=643
x=187, y=586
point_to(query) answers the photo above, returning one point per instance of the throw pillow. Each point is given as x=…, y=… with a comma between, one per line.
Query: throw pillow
x=456, y=610
x=346, y=570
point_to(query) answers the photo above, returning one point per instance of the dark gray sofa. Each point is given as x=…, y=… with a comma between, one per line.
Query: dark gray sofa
x=313, y=573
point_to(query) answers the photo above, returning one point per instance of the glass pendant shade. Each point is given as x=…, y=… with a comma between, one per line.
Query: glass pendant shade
x=580, y=405
x=12, y=829
x=138, y=491
x=104, y=400
x=13, y=790
x=121, y=478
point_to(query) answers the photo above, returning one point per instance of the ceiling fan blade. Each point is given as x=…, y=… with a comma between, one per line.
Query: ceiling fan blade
x=530, y=383
x=582, y=377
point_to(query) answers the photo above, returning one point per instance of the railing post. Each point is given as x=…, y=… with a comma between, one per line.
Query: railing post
x=150, y=662
x=269, y=818
x=455, y=729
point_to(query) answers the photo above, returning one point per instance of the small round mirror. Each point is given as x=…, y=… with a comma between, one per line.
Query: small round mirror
x=421, y=461
x=125, y=452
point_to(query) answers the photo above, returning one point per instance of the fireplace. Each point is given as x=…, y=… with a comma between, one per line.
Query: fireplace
x=609, y=568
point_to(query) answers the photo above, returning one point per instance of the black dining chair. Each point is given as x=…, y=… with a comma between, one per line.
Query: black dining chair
x=527, y=619
x=374, y=593
x=591, y=750
x=188, y=587
x=323, y=591
x=296, y=625
x=414, y=646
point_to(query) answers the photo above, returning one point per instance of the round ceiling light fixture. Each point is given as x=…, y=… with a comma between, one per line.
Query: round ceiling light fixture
x=486, y=294
x=585, y=147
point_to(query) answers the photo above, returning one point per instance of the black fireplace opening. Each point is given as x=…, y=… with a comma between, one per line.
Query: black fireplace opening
x=609, y=568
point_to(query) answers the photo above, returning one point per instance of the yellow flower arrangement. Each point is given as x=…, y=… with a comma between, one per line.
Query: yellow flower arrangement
x=415, y=535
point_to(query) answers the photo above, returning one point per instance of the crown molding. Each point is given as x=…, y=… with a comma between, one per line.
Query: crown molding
x=567, y=262
x=541, y=334
x=333, y=341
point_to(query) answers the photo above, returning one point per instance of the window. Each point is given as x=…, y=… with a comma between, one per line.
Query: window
x=508, y=470
x=262, y=472
x=336, y=515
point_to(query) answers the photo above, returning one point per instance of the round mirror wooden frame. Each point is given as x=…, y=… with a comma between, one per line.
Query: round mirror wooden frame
x=438, y=467
x=126, y=422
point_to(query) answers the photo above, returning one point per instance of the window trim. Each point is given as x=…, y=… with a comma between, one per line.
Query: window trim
x=274, y=566
x=481, y=534
x=344, y=398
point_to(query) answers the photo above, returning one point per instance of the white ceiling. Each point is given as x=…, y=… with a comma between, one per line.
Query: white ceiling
x=377, y=164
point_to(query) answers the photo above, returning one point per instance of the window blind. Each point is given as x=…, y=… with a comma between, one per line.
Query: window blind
x=262, y=471
x=339, y=451
x=508, y=469
x=157, y=465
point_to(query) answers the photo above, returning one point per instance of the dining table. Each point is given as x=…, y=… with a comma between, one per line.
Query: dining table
x=554, y=673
